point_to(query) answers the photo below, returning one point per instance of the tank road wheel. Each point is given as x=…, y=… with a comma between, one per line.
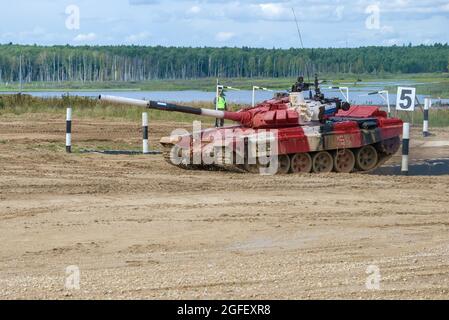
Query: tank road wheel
x=344, y=161
x=283, y=164
x=390, y=146
x=178, y=158
x=252, y=167
x=322, y=162
x=366, y=158
x=301, y=163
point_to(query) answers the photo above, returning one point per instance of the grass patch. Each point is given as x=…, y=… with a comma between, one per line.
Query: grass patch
x=82, y=147
x=437, y=117
x=84, y=107
x=208, y=84
x=87, y=108
x=49, y=146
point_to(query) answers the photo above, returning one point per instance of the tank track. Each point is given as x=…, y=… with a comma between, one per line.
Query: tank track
x=225, y=166
x=385, y=151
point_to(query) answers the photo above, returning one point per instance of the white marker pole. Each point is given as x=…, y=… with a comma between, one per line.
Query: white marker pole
x=254, y=92
x=254, y=95
x=216, y=95
x=68, y=131
x=405, y=148
x=427, y=104
x=145, y=144
x=342, y=91
x=347, y=93
x=388, y=103
x=217, y=89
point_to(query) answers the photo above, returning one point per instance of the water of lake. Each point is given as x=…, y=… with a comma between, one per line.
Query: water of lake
x=358, y=95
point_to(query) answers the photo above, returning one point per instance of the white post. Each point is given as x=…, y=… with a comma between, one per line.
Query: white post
x=217, y=121
x=427, y=104
x=405, y=148
x=145, y=144
x=68, y=131
x=346, y=96
x=254, y=95
x=216, y=96
x=254, y=92
x=384, y=94
x=347, y=93
x=388, y=104
x=20, y=74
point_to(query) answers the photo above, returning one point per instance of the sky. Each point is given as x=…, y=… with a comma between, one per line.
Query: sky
x=252, y=23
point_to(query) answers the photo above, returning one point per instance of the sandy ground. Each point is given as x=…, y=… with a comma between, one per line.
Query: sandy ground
x=139, y=228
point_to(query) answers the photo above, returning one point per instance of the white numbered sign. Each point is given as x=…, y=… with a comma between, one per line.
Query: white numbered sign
x=406, y=99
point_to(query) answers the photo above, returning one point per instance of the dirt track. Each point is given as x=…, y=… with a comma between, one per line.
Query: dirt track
x=139, y=228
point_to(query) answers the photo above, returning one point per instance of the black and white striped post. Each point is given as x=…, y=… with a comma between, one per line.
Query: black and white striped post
x=405, y=148
x=68, y=131
x=427, y=104
x=145, y=144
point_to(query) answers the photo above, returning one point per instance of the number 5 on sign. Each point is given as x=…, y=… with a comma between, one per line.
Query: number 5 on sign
x=406, y=99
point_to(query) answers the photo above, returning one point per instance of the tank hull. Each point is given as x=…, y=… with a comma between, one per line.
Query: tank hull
x=358, y=140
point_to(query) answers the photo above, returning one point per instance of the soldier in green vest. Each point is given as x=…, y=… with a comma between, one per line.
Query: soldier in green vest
x=222, y=106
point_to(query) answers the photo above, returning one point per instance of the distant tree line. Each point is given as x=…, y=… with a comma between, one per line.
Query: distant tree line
x=138, y=63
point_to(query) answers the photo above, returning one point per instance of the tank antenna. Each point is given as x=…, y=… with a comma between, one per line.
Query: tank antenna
x=297, y=28
x=300, y=40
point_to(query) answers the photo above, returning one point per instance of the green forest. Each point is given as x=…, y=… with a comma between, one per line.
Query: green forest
x=137, y=63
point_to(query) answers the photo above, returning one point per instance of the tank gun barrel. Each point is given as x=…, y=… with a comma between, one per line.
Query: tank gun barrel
x=156, y=105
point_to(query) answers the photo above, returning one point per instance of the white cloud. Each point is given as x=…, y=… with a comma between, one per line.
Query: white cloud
x=428, y=41
x=224, y=36
x=387, y=29
x=393, y=41
x=339, y=12
x=412, y=7
x=194, y=10
x=35, y=35
x=261, y=23
x=36, y=32
x=134, y=38
x=272, y=10
x=85, y=37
